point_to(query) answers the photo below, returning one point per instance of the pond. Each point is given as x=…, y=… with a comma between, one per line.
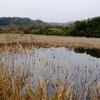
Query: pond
x=56, y=64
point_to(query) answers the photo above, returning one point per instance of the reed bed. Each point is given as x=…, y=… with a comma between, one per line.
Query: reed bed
x=36, y=78
x=49, y=41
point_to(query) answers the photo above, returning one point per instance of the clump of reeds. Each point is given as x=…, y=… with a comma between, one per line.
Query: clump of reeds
x=13, y=82
x=22, y=33
x=17, y=83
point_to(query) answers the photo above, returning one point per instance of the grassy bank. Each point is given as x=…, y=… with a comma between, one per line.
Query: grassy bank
x=49, y=41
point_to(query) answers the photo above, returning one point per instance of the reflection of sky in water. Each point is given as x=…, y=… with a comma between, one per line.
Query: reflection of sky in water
x=80, y=66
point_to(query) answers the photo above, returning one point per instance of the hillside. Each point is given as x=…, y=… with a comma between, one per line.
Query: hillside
x=5, y=21
x=18, y=21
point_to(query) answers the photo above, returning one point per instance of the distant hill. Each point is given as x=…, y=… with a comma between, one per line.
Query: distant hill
x=5, y=21
x=62, y=24
x=18, y=21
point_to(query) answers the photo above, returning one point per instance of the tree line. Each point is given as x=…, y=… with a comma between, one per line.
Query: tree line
x=87, y=28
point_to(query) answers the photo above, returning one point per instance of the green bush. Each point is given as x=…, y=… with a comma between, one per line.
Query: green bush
x=35, y=31
x=54, y=31
x=26, y=31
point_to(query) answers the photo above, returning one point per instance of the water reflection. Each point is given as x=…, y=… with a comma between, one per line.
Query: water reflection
x=92, y=52
x=55, y=64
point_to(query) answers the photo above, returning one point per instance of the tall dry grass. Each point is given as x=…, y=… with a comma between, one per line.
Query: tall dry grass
x=17, y=83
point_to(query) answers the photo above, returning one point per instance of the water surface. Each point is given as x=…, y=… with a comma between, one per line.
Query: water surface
x=55, y=64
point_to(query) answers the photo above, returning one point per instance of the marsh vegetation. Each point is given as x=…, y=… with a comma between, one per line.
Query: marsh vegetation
x=27, y=73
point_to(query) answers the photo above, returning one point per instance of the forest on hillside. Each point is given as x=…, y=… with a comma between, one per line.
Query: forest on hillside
x=5, y=21
x=87, y=28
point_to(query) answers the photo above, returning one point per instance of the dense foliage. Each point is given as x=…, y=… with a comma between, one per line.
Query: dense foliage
x=45, y=29
x=87, y=28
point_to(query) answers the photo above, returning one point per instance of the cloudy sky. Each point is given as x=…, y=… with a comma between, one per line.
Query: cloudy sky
x=50, y=10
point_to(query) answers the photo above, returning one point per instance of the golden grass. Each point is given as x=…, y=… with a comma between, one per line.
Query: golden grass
x=11, y=85
x=49, y=41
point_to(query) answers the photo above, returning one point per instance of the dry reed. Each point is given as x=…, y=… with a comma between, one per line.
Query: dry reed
x=17, y=83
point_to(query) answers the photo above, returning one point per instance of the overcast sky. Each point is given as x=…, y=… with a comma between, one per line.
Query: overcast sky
x=50, y=10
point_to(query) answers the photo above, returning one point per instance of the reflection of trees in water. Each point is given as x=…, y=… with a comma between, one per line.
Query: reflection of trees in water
x=91, y=52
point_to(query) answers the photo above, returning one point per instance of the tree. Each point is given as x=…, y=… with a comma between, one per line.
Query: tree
x=74, y=32
x=26, y=31
x=1, y=30
x=88, y=32
x=80, y=25
x=41, y=31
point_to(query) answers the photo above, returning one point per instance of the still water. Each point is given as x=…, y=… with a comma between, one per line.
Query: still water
x=56, y=64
